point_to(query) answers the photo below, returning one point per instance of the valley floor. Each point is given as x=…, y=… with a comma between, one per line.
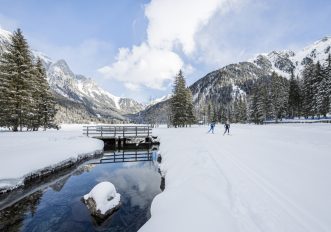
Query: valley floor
x=24, y=153
x=259, y=178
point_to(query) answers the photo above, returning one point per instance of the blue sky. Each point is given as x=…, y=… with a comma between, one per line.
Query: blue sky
x=134, y=48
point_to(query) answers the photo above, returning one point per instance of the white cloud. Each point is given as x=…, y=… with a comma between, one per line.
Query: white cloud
x=173, y=21
x=172, y=28
x=144, y=65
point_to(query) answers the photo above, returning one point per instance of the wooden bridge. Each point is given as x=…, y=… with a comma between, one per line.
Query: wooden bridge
x=109, y=132
x=122, y=136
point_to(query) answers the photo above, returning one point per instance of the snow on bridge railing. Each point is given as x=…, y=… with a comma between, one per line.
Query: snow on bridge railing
x=117, y=131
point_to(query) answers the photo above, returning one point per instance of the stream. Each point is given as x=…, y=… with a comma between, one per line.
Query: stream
x=58, y=207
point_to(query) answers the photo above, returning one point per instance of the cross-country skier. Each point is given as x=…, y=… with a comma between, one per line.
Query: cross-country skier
x=227, y=127
x=212, y=126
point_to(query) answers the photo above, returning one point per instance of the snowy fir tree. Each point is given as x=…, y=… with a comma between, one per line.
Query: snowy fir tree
x=322, y=88
x=190, y=118
x=44, y=100
x=23, y=87
x=328, y=74
x=307, y=91
x=294, y=97
x=239, y=109
x=181, y=103
x=279, y=96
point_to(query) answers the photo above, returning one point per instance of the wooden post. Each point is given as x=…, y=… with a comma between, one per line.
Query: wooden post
x=136, y=131
x=148, y=131
x=123, y=131
x=87, y=130
x=101, y=131
x=115, y=132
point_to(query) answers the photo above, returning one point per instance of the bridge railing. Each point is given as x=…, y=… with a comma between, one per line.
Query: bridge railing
x=117, y=131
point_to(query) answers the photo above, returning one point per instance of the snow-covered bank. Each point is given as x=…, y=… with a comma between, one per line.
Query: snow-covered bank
x=25, y=153
x=260, y=178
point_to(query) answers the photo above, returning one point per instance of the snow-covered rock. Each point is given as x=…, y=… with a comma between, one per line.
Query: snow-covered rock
x=103, y=199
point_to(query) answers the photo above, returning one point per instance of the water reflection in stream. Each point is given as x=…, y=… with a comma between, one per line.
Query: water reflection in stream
x=59, y=206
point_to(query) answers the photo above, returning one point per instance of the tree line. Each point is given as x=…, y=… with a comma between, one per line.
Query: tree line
x=274, y=97
x=26, y=100
x=270, y=97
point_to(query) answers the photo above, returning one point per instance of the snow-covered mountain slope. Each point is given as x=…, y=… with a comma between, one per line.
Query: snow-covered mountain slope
x=158, y=100
x=4, y=38
x=79, y=88
x=283, y=62
x=82, y=89
x=219, y=86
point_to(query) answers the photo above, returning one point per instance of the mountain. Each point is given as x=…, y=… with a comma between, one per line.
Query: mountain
x=81, y=95
x=158, y=100
x=283, y=62
x=79, y=88
x=220, y=86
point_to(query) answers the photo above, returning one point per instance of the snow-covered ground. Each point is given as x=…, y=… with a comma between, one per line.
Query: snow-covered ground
x=23, y=153
x=260, y=178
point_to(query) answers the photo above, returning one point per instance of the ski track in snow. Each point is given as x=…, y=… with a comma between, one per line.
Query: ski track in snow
x=272, y=194
x=263, y=178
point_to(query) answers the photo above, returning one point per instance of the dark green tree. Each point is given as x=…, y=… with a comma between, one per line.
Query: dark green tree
x=44, y=100
x=181, y=103
x=294, y=97
x=16, y=81
x=26, y=100
x=307, y=90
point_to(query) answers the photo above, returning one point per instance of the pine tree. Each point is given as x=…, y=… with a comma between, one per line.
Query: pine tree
x=210, y=112
x=257, y=106
x=26, y=99
x=294, y=97
x=279, y=96
x=322, y=91
x=307, y=91
x=16, y=81
x=242, y=107
x=328, y=75
x=190, y=118
x=179, y=103
x=44, y=100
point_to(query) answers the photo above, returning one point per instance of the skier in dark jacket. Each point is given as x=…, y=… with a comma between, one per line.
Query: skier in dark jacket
x=212, y=127
x=227, y=127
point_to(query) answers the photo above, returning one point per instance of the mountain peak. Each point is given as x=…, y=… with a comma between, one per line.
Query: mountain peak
x=62, y=63
x=82, y=77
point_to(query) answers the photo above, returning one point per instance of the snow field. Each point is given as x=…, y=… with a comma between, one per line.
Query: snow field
x=22, y=153
x=260, y=178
